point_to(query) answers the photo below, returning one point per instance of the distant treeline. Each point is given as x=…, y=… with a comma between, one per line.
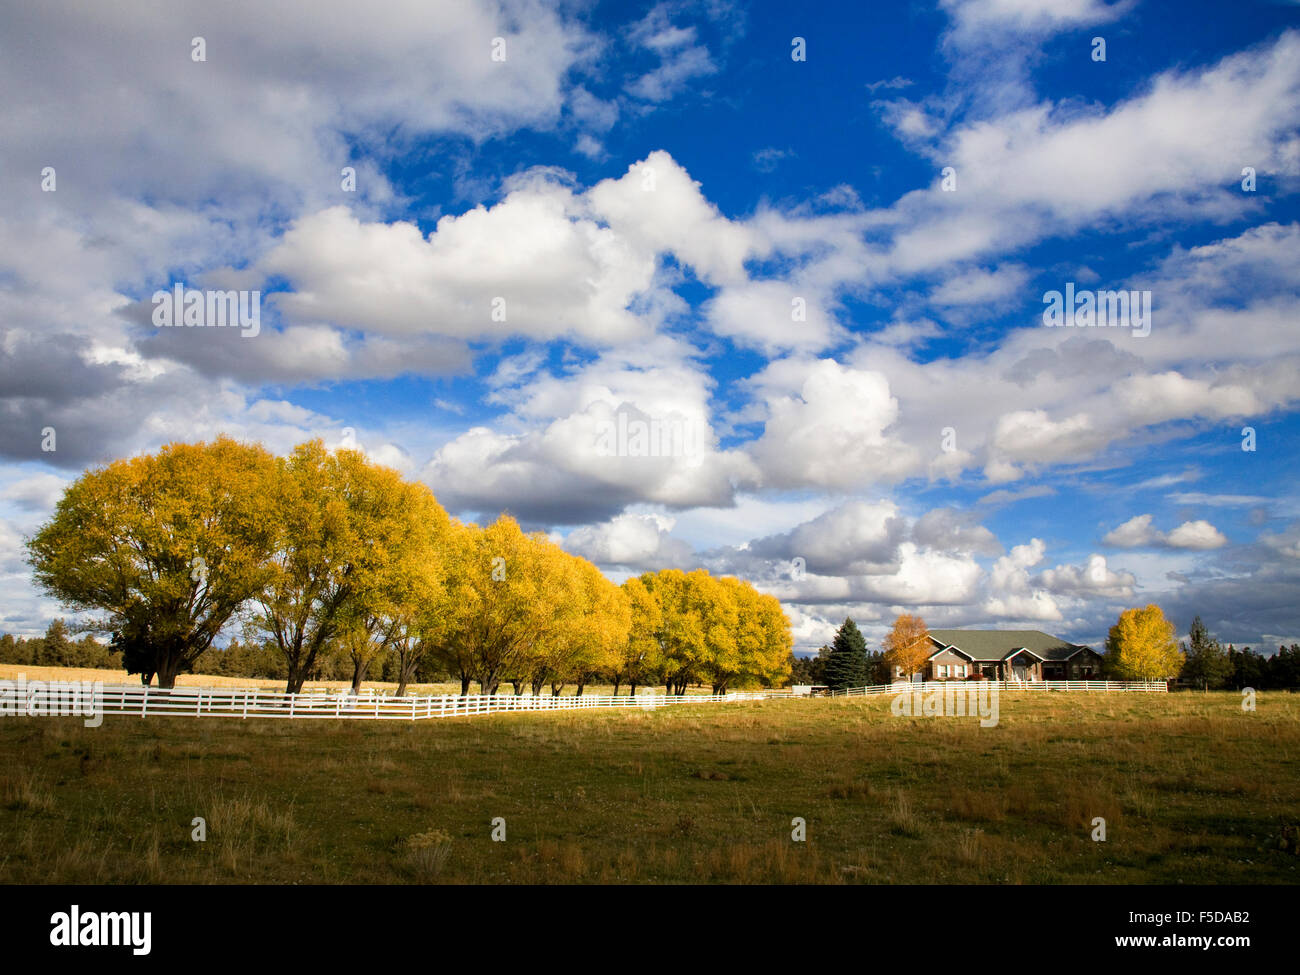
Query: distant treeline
x=1217, y=669
x=1250, y=669
x=57, y=648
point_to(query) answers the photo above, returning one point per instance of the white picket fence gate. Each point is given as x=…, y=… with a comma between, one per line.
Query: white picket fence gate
x=1142, y=686
x=52, y=698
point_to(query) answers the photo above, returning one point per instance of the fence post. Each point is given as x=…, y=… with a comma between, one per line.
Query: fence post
x=144, y=705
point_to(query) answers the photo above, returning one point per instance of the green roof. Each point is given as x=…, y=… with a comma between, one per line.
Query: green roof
x=1000, y=644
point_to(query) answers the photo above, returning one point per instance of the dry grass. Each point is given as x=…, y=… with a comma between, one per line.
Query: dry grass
x=25, y=792
x=1192, y=790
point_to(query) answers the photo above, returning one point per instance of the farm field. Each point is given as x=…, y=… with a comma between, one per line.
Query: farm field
x=1193, y=791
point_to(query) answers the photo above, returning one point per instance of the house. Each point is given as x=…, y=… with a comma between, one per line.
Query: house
x=1025, y=655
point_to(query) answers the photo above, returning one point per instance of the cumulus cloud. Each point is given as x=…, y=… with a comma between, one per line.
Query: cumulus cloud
x=1139, y=532
x=628, y=427
x=638, y=542
x=831, y=430
x=1094, y=578
x=948, y=529
x=856, y=537
x=1011, y=595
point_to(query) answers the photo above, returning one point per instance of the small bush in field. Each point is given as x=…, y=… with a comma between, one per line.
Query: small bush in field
x=427, y=853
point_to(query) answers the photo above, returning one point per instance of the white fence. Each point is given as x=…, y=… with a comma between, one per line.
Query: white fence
x=1143, y=686
x=48, y=697
x=55, y=697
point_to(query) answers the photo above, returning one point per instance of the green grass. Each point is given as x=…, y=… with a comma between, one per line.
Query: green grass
x=1193, y=790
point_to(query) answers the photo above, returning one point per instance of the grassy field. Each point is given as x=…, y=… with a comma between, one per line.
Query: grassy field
x=1193, y=790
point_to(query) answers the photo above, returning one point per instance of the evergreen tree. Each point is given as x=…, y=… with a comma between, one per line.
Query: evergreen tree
x=1207, y=665
x=877, y=668
x=847, y=663
x=1284, y=667
x=1249, y=669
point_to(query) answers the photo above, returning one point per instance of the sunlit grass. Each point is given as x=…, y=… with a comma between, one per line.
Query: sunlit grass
x=1191, y=788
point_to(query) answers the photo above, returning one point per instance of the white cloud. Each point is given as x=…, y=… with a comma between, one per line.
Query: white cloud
x=831, y=432
x=1093, y=579
x=641, y=543
x=1134, y=533
x=1010, y=593
x=681, y=57
x=36, y=492
x=1139, y=532
x=1196, y=534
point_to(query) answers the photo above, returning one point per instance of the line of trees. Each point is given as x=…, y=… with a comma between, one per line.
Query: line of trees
x=57, y=649
x=845, y=662
x=326, y=557
x=1140, y=646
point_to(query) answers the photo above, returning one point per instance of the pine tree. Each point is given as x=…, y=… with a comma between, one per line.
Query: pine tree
x=1206, y=662
x=847, y=663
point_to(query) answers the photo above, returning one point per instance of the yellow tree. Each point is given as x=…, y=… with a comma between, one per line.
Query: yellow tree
x=639, y=660
x=683, y=630
x=599, y=629
x=405, y=530
x=426, y=597
x=722, y=603
x=446, y=636
x=907, y=646
x=1141, y=646
x=510, y=591
x=311, y=566
x=765, y=638
x=167, y=546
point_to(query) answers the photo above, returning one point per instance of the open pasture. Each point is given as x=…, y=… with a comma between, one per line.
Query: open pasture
x=1192, y=788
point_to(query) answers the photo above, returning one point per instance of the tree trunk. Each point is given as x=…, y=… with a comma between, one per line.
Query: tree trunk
x=167, y=671
x=537, y=686
x=581, y=685
x=405, y=674
x=616, y=683
x=464, y=686
x=359, y=668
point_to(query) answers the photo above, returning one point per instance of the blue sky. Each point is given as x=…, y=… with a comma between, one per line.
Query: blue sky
x=686, y=226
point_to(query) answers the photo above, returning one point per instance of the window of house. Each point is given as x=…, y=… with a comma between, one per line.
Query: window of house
x=959, y=670
x=943, y=670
